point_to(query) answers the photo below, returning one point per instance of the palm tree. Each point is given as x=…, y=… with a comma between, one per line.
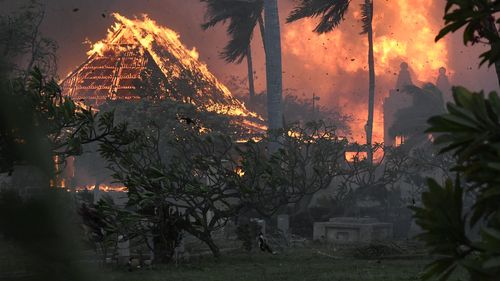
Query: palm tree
x=243, y=16
x=274, y=75
x=331, y=13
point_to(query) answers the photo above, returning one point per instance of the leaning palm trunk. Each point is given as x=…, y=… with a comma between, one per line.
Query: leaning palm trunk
x=371, y=94
x=251, y=84
x=273, y=65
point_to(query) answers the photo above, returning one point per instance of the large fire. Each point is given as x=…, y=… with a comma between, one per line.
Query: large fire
x=403, y=31
x=154, y=37
x=333, y=65
x=133, y=47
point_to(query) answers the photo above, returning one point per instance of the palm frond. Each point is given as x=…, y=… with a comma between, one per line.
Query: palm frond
x=366, y=16
x=331, y=13
x=218, y=11
x=242, y=16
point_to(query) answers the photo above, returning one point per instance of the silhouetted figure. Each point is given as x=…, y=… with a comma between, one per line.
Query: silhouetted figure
x=404, y=78
x=264, y=247
x=443, y=84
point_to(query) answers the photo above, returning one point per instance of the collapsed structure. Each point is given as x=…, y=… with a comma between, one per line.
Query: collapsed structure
x=139, y=57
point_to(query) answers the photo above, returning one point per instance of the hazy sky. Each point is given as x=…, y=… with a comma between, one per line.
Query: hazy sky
x=332, y=66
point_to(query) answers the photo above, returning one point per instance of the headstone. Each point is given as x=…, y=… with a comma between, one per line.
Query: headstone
x=179, y=251
x=97, y=193
x=29, y=179
x=283, y=223
x=123, y=248
x=5, y=181
x=414, y=230
x=230, y=231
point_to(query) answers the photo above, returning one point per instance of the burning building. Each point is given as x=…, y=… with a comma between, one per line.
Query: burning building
x=396, y=100
x=139, y=58
x=399, y=98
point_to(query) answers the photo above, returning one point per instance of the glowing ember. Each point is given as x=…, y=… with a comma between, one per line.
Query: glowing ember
x=103, y=188
x=352, y=156
x=239, y=171
x=294, y=134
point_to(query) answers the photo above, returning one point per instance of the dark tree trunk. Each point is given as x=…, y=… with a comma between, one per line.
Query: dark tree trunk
x=371, y=94
x=251, y=85
x=161, y=249
x=211, y=244
x=273, y=69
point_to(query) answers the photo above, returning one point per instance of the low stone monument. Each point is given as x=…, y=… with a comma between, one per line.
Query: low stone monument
x=352, y=230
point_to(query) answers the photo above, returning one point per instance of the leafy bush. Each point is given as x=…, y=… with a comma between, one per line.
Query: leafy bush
x=471, y=130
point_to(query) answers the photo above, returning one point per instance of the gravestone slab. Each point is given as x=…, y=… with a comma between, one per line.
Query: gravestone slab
x=352, y=230
x=283, y=223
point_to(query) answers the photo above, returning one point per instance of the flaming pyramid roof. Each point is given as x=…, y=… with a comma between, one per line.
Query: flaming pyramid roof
x=138, y=53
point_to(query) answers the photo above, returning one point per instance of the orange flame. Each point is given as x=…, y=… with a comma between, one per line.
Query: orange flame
x=403, y=31
x=173, y=59
x=102, y=187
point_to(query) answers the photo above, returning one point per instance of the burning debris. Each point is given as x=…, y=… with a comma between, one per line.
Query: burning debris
x=137, y=54
x=102, y=187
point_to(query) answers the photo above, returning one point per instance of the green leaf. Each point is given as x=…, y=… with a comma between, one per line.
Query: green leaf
x=492, y=263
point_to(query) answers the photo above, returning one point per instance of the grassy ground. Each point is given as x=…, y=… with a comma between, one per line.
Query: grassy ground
x=295, y=265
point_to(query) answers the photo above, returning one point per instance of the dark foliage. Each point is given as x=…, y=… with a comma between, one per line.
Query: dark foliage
x=331, y=13
x=42, y=228
x=182, y=171
x=22, y=45
x=470, y=130
x=478, y=18
x=38, y=123
x=309, y=159
x=243, y=16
